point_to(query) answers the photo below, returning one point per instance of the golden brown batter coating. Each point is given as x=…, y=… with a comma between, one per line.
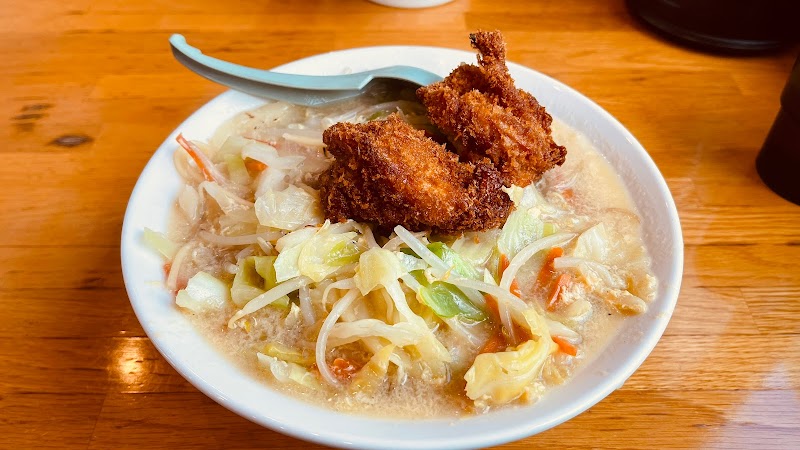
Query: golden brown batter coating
x=484, y=115
x=388, y=173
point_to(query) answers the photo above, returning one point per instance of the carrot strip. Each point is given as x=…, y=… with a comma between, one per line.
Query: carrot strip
x=496, y=343
x=343, y=368
x=207, y=172
x=558, y=287
x=255, y=166
x=548, y=270
x=502, y=265
x=565, y=346
x=514, y=288
x=568, y=193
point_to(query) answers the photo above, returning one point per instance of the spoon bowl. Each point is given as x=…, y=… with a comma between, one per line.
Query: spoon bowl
x=307, y=90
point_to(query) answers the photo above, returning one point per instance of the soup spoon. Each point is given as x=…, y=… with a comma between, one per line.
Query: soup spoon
x=307, y=90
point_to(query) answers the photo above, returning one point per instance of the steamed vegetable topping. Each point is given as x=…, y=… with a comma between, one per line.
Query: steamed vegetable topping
x=349, y=312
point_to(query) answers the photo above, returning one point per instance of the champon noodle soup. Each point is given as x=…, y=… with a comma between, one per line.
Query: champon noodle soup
x=396, y=322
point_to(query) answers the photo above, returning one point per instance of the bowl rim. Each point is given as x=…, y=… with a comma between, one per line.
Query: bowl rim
x=345, y=438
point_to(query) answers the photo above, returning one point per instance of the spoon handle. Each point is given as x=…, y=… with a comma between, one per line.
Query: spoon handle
x=300, y=89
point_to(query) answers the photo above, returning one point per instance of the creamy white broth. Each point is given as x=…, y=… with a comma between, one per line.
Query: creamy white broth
x=586, y=185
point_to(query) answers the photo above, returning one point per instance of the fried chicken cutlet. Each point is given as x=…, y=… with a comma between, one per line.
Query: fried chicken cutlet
x=388, y=173
x=484, y=115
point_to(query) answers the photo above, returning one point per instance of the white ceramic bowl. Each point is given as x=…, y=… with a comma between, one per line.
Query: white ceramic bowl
x=411, y=3
x=187, y=351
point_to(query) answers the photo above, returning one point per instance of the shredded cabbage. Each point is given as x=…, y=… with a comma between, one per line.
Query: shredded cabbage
x=237, y=171
x=374, y=372
x=288, y=209
x=432, y=352
x=325, y=252
x=191, y=204
x=268, y=155
x=380, y=267
x=410, y=263
x=400, y=334
x=476, y=247
x=231, y=147
x=499, y=378
x=255, y=275
x=592, y=244
x=286, y=372
x=454, y=260
x=157, y=241
x=295, y=239
x=445, y=299
x=228, y=201
x=270, y=179
x=289, y=248
x=247, y=283
x=288, y=354
x=269, y=297
x=625, y=302
x=439, y=267
x=377, y=267
x=594, y=257
x=524, y=224
x=203, y=292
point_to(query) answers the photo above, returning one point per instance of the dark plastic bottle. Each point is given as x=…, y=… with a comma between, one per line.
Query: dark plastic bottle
x=778, y=163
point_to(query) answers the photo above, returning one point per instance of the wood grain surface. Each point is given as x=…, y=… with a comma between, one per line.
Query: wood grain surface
x=90, y=89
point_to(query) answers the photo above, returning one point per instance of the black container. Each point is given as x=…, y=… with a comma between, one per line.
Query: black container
x=778, y=163
x=731, y=26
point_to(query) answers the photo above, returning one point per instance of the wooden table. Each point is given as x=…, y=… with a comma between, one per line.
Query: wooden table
x=90, y=90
